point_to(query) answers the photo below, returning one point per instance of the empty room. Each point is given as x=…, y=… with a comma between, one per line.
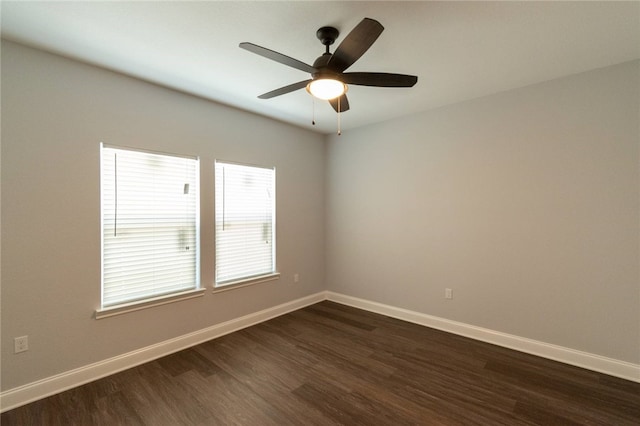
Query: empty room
x=320, y=213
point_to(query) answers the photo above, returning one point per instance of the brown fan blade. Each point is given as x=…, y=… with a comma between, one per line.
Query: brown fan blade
x=344, y=103
x=379, y=79
x=278, y=57
x=358, y=41
x=285, y=89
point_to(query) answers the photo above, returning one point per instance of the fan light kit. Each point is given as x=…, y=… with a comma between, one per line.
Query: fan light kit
x=328, y=80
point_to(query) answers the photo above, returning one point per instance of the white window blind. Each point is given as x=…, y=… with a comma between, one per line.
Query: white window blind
x=245, y=222
x=150, y=225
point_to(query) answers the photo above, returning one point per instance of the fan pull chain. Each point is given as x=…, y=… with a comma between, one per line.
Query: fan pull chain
x=339, y=113
x=313, y=111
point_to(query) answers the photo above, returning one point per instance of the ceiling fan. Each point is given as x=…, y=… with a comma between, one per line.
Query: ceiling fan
x=328, y=80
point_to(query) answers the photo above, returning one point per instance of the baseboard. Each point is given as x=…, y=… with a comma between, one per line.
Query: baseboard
x=52, y=385
x=612, y=367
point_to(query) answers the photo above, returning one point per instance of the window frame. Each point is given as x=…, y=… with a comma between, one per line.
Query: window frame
x=252, y=279
x=175, y=294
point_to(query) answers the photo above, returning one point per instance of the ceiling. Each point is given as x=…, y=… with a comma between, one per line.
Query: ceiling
x=459, y=50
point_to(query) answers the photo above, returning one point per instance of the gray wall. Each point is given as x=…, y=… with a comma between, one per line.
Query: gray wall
x=525, y=203
x=54, y=114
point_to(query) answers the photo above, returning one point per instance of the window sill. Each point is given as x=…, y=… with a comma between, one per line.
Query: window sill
x=246, y=282
x=148, y=303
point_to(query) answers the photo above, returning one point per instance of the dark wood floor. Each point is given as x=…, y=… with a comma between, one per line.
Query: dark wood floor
x=330, y=364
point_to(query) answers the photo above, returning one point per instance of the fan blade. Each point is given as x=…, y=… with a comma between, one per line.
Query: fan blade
x=344, y=103
x=358, y=41
x=379, y=79
x=285, y=89
x=278, y=57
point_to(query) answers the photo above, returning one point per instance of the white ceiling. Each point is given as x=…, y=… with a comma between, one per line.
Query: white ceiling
x=459, y=50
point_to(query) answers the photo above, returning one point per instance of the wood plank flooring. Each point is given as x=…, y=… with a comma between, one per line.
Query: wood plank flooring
x=330, y=364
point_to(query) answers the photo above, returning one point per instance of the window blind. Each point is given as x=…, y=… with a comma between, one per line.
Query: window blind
x=245, y=222
x=150, y=221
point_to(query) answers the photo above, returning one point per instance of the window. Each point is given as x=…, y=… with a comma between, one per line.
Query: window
x=150, y=225
x=245, y=222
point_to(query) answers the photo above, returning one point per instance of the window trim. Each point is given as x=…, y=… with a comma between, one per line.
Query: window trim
x=148, y=303
x=245, y=282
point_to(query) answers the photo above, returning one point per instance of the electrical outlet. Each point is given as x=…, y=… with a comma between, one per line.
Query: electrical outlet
x=448, y=293
x=20, y=344
x=296, y=277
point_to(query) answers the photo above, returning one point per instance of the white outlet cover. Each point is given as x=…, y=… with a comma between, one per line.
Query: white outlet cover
x=21, y=344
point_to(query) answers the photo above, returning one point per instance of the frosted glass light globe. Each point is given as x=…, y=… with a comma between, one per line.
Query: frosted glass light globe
x=326, y=88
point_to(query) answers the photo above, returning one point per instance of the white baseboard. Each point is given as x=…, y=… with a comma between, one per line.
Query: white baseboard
x=52, y=385
x=613, y=367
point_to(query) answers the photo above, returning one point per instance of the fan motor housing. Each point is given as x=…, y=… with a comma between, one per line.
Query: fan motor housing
x=322, y=61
